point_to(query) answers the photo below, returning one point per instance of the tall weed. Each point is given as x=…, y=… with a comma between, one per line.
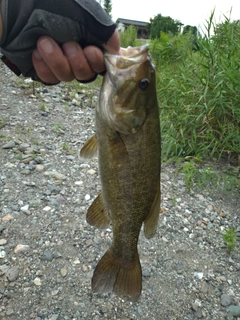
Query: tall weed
x=198, y=91
x=129, y=37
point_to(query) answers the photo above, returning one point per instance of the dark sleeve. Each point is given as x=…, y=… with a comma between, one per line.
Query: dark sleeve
x=83, y=21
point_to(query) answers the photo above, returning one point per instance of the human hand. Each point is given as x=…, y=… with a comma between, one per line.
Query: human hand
x=54, y=63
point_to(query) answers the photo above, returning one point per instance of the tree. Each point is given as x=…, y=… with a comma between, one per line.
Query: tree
x=192, y=29
x=108, y=7
x=164, y=24
x=193, y=32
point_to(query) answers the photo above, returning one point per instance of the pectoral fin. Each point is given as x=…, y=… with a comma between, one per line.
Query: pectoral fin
x=89, y=150
x=151, y=222
x=97, y=215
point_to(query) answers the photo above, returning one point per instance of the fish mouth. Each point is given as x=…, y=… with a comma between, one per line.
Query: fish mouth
x=133, y=52
x=127, y=57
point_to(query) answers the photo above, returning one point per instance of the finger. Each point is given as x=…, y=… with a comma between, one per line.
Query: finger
x=43, y=71
x=94, y=55
x=78, y=61
x=95, y=59
x=54, y=58
x=113, y=44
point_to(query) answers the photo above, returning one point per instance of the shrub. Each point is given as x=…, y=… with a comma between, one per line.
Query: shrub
x=129, y=37
x=198, y=91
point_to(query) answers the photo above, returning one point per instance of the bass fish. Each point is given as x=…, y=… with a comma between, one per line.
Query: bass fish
x=129, y=152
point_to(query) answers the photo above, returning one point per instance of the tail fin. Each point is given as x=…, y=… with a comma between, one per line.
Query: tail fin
x=113, y=275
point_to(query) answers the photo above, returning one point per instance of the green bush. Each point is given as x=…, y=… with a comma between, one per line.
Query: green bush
x=198, y=91
x=129, y=37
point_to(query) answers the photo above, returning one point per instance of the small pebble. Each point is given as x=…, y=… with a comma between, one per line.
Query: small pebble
x=146, y=272
x=25, y=208
x=3, y=241
x=21, y=248
x=91, y=171
x=37, y=282
x=63, y=272
x=56, y=175
x=47, y=255
x=54, y=317
x=195, y=306
x=226, y=300
x=204, y=287
x=87, y=197
x=2, y=254
x=9, y=312
x=12, y=273
x=7, y=218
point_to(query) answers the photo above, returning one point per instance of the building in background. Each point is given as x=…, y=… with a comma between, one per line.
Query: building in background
x=139, y=25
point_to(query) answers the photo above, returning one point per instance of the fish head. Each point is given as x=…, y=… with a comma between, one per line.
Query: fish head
x=129, y=89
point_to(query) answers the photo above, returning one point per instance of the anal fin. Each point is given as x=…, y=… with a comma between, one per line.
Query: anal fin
x=89, y=150
x=97, y=215
x=151, y=222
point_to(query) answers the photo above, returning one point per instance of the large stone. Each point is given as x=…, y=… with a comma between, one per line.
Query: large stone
x=9, y=145
x=226, y=300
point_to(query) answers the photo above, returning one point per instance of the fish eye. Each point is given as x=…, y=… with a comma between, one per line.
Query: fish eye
x=143, y=83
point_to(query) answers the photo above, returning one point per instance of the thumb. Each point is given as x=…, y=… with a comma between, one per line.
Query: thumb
x=113, y=44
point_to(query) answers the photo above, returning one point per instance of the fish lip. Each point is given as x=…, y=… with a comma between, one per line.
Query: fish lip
x=134, y=51
x=133, y=55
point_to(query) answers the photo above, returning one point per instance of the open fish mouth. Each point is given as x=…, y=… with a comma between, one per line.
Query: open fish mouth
x=133, y=52
x=126, y=58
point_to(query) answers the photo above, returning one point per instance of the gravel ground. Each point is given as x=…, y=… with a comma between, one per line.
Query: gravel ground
x=47, y=250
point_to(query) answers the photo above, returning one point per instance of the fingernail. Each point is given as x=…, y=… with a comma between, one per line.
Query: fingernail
x=37, y=55
x=70, y=50
x=46, y=45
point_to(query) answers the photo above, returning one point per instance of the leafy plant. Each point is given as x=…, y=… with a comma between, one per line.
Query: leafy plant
x=35, y=141
x=208, y=175
x=198, y=91
x=229, y=237
x=65, y=146
x=43, y=107
x=189, y=170
x=58, y=128
x=129, y=37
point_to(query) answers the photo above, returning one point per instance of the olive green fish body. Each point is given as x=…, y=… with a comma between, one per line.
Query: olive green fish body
x=128, y=139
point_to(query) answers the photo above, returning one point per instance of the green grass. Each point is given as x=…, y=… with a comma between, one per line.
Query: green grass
x=206, y=175
x=3, y=121
x=229, y=238
x=43, y=107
